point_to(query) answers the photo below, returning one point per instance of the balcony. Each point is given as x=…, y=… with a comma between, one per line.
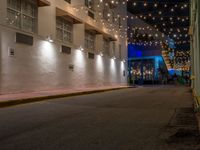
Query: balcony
x=42, y=3
x=68, y=16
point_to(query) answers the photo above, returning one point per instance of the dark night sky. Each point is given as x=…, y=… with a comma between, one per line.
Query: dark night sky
x=173, y=14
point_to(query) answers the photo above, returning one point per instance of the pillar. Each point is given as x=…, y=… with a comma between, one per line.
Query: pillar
x=79, y=35
x=99, y=43
x=47, y=21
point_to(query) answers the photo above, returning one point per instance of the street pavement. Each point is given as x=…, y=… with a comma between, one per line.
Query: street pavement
x=143, y=118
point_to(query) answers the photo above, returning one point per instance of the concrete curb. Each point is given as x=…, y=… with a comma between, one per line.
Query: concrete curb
x=9, y=103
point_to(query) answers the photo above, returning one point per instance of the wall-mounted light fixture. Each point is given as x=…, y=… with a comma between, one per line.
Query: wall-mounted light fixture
x=81, y=48
x=101, y=54
x=50, y=39
x=113, y=57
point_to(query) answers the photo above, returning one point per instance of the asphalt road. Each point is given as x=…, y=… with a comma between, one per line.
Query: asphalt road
x=129, y=119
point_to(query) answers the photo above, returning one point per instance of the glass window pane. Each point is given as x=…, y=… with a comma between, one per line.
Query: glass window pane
x=22, y=14
x=67, y=26
x=59, y=34
x=14, y=18
x=28, y=23
x=66, y=36
x=64, y=30
x=28, y=8
x=113, y=48
x=89, y=40
x=106, y=46
x=89, y=4
x=59, y=23
x=14, y=4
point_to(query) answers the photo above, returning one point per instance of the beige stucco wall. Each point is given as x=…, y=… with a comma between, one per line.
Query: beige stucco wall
x=195, y=47
x=43, y=67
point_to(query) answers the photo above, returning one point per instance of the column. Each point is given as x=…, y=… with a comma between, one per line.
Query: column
x=99, y=43
x=79, y=35
x=47, y=21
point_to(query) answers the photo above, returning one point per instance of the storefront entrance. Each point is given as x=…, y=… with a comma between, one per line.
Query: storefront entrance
x=145, y=70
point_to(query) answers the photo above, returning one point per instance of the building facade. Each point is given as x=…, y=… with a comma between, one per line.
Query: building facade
x=195, y=48
x=52, y=44
x=146, y=56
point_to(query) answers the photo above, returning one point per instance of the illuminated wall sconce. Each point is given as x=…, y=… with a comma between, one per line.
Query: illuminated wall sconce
x=81, y=48
x=101, y=54
x=50, y=39
x=113, y=57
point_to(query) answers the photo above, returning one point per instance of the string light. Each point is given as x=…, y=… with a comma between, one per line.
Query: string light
x=165, y=6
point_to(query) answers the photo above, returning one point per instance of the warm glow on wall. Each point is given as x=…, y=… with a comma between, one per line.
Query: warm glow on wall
x=47, y=50
x=79, y=58
x=99, y=63
x=113, y=65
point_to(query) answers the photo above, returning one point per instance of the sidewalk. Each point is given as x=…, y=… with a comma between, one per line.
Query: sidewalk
x=22, y=98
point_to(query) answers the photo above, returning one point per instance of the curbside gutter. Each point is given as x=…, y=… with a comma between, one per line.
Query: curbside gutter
x=13, y=102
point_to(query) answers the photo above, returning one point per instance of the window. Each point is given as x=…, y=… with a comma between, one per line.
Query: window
x=89, y=4
x=120, y=51
x=106, y=47
x=91, y=14
x=22, y=14
x=119, y=22
x=113, y=48
x=106, y=13
x=64, y=30
x=69, y=1
x=89, y=40
x=113, y=17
